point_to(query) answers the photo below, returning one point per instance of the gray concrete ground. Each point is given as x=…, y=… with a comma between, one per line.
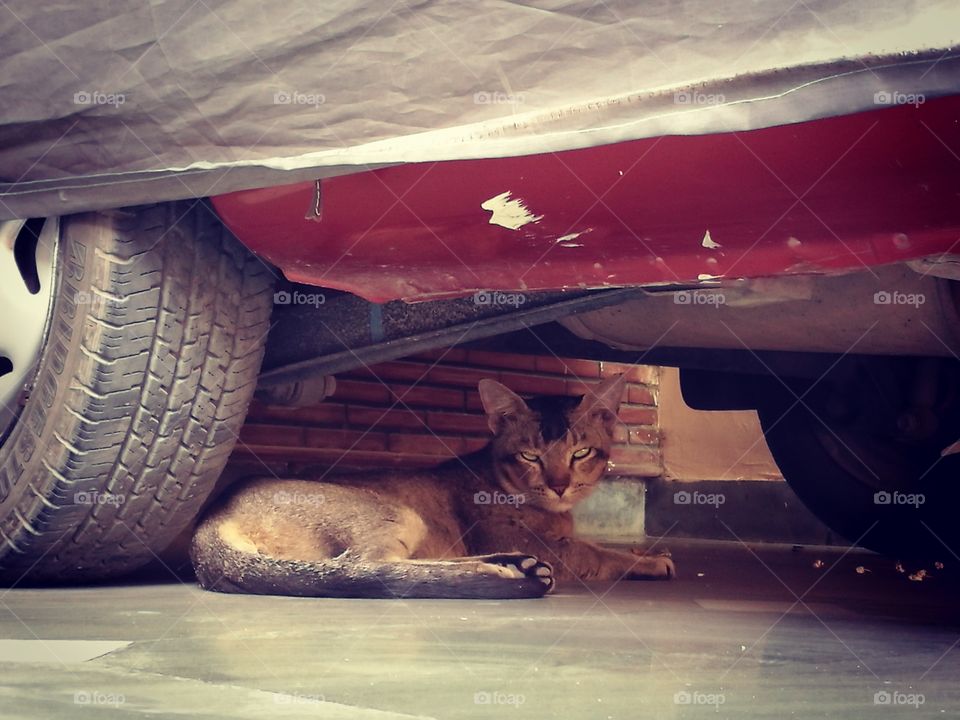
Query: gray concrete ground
x=746, y=631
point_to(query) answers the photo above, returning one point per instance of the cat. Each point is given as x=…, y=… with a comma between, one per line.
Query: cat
x=495, y=523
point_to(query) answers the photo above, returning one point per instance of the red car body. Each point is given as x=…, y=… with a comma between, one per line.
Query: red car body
x=830, y=195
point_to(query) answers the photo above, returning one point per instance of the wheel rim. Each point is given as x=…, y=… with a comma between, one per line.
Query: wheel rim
x=881, y=453
x=842, y=474
x=27, y=258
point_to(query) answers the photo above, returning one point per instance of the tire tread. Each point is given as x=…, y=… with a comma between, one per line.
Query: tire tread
x=157, y=386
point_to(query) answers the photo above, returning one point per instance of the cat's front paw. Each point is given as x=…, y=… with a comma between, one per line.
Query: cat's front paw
x=519, y=565
x=653, y=567
x=665, y=567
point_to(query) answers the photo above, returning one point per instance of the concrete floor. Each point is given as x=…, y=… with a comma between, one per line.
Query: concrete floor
x=745, y=632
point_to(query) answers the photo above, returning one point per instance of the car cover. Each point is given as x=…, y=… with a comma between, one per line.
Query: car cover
x=119, y=102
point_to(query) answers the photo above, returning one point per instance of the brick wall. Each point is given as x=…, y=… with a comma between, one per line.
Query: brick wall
x=420, y=410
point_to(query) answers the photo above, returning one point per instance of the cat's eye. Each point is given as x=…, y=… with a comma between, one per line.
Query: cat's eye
x=582, y=453
x=530, y=457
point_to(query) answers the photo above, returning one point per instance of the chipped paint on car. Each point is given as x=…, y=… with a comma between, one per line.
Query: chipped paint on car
x=508, y=212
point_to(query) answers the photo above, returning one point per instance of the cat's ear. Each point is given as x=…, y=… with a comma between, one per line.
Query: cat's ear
x=602, y=402
x=499, y=402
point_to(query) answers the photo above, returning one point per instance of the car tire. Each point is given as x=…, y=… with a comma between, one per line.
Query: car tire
x=861, y=447
x=154, y=339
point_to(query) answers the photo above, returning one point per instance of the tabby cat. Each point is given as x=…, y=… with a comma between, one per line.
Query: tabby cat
x=492, y=524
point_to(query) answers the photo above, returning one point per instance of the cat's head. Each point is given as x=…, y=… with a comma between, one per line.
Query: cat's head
x=552, y=449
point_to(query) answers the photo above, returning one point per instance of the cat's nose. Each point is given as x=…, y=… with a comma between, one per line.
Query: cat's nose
x=558, y=488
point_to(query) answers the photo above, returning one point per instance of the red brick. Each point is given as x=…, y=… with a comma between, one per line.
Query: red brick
x=429, y=396
x=322, y=414
x=345, y=439
x=644, y=435
x=501, y=360
x=387, y=371
x=372, y=393
x=425, y=444
x=381, y=418
x=640, y=394
x=257, y=406
x=285, y=435
x=533, y=384
x=637, y=415
x=473, y=402
x=450, y=375
x=645, y=374
x=635, y=461
x=562, y=366
x=646, y=470
x=620, y=433
x=446, y=355
x=458, y=422
x=609, y=369
x=471, y=444
x=577, y=387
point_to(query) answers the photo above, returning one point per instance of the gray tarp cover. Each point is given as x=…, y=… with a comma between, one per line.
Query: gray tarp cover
x=119, y=102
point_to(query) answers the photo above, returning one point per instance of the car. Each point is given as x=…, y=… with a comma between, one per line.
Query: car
x=807, y=271
x=786, y=236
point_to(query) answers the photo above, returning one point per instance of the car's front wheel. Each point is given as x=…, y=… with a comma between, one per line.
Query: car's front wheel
x=122, y=409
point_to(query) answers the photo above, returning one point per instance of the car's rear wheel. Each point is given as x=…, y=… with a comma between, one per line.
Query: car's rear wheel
x=862, y=449
x=152, y=324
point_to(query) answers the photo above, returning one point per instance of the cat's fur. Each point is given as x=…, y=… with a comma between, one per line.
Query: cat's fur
x=491, y=524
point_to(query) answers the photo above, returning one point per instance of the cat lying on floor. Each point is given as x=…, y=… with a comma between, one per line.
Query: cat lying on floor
x=492, y=524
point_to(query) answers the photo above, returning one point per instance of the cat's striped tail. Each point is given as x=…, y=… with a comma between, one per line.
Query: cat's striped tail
x=223, y=568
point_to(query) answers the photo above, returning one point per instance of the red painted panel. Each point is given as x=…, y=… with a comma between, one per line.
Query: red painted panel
x=834, y=194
